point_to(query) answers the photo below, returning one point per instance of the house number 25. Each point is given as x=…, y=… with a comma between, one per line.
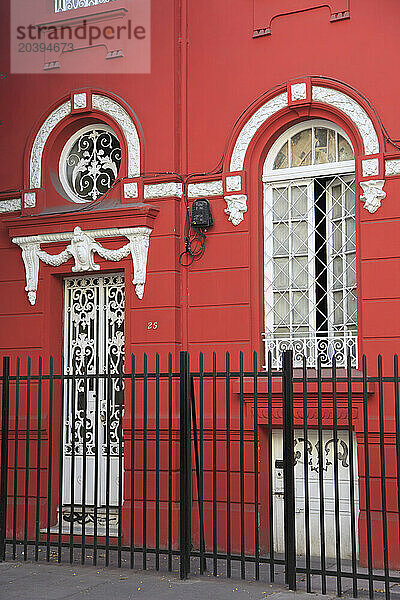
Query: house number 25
x=152, y=325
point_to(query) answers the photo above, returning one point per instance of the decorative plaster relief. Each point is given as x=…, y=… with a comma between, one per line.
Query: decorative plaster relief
x=233, y=183
x=298, y=91
x=131, y=190
x=10, y=205
x=373, y=194
x=81, y=248
x=370, y=167
x=120, y=115
x=41, y=138
x=392, y=167
x=353, y=110
x=29, y=200
x=207, y=188
x=237, y=206
x=80, y=100
x=250, y=128
x=163, y=190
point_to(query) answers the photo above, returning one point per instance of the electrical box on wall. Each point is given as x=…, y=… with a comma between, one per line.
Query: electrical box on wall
x=201, y=214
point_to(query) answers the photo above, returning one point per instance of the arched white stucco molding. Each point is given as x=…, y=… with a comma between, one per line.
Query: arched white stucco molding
x=102, y=102
x=321, y=91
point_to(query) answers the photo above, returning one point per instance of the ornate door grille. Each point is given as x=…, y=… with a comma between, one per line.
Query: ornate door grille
x=93, y=343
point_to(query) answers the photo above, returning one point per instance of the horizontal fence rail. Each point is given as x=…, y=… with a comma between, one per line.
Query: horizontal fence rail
x=207, y=463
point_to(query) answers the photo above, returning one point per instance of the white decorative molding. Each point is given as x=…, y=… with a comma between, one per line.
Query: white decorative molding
x=233, y=183
x=163, y=190
x=298, y=91
x=40, y=140
x=10, y=205
x=392, y=167
x=124, y=120
x=370, y=167
x=353, y=110
x=101, y=103
x=81, y=248
x=251, y=127
x=207, y=188
x=29, y=200
x=237, y=206
x=373, y=194
x=80, y=100
x=131, y=190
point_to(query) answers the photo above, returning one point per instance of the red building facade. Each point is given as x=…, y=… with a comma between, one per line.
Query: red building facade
x=264, y=108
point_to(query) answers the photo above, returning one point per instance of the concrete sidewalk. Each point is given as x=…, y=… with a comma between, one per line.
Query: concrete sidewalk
x=43, y=581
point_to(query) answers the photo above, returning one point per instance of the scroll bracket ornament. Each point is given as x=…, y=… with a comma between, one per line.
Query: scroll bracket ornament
x=237, y=206
x=373, y=194
x=82, y=248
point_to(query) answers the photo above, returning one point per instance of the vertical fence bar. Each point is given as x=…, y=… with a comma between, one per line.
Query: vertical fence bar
x=108, y=396
x=203, y=563
x=157, y=461
x=352, y=481
x=61, y=461
x=84, y=459
x=50, y=457
x=96, y=482
x=367, y=477
x=288, y=471
x=255, y=453
x=72, y=423
x=270, y=473
x=306, y=481
x=185, y=476
x=198, y=476
x=121, y=446
x=228, y=466
x=397, y=420
x=336, y=478
x=241, y=470
x=170, y=530
x=133, y=441
x=144, y=489
x=214, y=468
x=38, y=457
x=5, y=412
x=27, y=444
x=383, y=479
x=16, y=439
x=321, y=478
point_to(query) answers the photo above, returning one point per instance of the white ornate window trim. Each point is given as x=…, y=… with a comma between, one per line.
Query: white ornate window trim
x=81, y=248
x=323, y=94
x=101, y=103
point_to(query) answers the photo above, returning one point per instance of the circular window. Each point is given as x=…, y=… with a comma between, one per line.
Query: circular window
x=90, y=162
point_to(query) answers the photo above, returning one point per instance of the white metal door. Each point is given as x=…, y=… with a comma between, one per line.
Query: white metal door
x=310, y=454
x=94, y=309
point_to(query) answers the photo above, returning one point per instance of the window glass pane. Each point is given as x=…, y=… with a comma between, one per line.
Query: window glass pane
x=325, y=145
x=337, y=236
x=299, y=238
x=280, y=200
x=351, y=306
x=281, y=239
x=281, y=309
x=282, y=158
x=299, y=201
x=281, y=273
x=300, y=272
x=345, y=150
x=337, y=272
x=300, y=310
x=338, y=308
x=350, y=235
x=301, y=148
x=282, y=331
x=351, y=270
x=350, y=199
x=336, y=191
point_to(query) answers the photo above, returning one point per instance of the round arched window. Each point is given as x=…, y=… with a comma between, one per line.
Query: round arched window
x=90, y=162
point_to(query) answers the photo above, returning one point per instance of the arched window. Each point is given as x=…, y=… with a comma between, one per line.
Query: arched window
x=310, y=245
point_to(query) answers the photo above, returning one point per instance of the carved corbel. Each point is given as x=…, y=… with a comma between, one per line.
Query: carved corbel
x=237, y=206
x=31, y=261
x=373, y=194
x=139, y=246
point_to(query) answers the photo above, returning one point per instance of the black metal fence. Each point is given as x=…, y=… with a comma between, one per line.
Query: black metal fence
x=288, y=475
